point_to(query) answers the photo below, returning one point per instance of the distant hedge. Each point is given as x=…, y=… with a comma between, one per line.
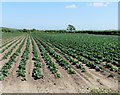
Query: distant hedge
x=58, y=31
x=106, y=32
x=6, y=30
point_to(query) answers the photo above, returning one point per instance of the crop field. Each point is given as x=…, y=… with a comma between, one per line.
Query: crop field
x=58, y=62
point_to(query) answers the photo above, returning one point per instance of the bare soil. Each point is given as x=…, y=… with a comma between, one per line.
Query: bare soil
x=77, y=83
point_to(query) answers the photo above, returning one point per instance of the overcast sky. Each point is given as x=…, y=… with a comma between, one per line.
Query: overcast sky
x=51, y=15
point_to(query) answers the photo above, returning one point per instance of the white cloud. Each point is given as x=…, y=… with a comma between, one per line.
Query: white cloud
x=71, y=6
x=99, y=4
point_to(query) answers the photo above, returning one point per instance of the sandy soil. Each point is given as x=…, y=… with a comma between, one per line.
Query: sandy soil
x=7, y=50
x=12, y=82
x=6, y=60
x=77, y=83
x=95, y=78
x=4, y=41
x=9, y=42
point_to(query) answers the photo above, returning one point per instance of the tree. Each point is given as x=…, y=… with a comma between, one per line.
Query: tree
x=6, y=30
x=33, y=30
x=24, y=30
x=71, y=28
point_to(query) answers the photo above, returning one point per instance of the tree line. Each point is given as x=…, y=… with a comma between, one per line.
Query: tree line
x=18, y=30
x=69, y=29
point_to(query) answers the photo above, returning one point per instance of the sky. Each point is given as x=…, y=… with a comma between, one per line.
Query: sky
x=57, y=15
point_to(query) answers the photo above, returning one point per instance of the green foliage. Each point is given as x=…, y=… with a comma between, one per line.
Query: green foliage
x=71, y=28
x=6, y=30
x=4, y=71
x=91, y=50
x=21, y=71
x=68, y=50
x=37, y=73
x=103, y=91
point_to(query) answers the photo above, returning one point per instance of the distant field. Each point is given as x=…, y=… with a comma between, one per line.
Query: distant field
x=59, y=62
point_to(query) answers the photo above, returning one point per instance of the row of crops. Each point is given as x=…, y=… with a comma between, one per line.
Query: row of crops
x=4, y=72
x=70, y=51
x=97, y=52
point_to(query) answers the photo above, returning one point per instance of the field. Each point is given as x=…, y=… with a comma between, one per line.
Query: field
x=58, y=62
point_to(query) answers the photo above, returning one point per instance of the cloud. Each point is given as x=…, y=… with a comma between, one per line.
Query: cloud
x=71, y=6
x=99, y=4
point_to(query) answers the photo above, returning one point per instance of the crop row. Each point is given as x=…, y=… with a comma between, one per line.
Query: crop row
x=88, y=63
x=21, y=71
x=68, y=57
x=96, y=48
x=71, y=60
x=4, y=72
x=8, y=46
x=7, y=42
x=69, y=50
x=9, y=52
x=50, y=64
x=97, y=66
x=36, y=73
x=63, y=63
